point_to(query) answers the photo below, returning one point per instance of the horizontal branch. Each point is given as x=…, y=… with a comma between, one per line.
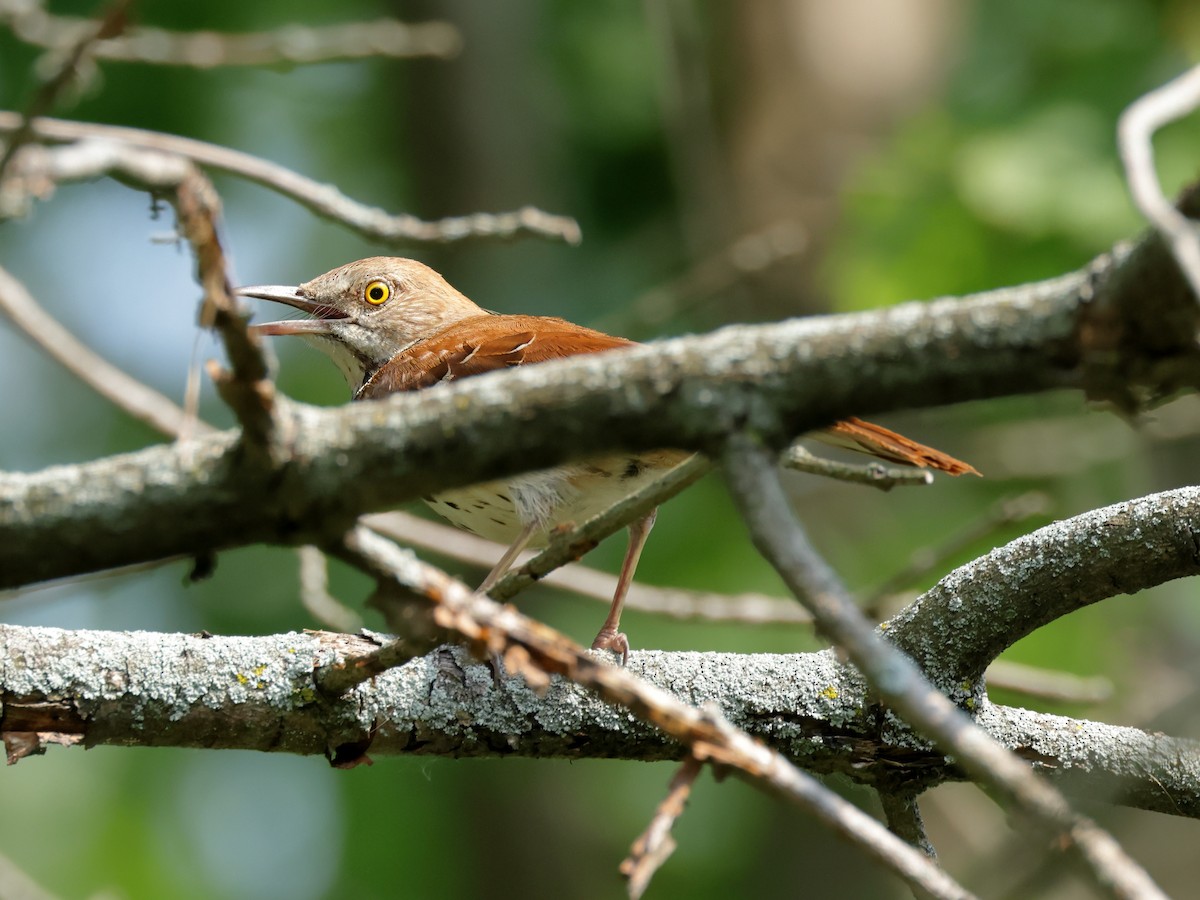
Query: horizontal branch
x=289, y=45
x=145, y=689
x=781, y=379
x=776, y=380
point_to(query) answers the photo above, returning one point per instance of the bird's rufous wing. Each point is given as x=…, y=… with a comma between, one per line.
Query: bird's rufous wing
x=484, y=344
x=489, y=342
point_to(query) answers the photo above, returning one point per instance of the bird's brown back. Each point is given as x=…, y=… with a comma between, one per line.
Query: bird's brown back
x=481, y=344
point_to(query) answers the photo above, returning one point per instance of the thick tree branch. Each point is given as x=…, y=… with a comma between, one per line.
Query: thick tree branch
x=973, y=614
x=149, y=689
x=780, y=379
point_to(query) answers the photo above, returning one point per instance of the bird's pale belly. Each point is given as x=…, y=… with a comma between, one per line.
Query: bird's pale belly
x=498, y=510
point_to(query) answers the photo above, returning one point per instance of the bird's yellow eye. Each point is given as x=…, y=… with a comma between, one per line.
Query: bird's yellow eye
x=377, y=292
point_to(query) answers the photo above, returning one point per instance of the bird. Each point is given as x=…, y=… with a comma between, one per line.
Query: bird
x=392, y=324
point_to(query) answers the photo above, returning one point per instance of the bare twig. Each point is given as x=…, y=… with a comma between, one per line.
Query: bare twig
x=289, y=45
x=321, y=199
x=678, y=603
x=874, y=474
x=78, y=46
x=900, y=683
x=1048, y=684
x=1143, y=117
x=536, y=651
x=140, y=401
x=314, y=593
x=903, y=817
x=16, y=884
x=712, y=275
x=655, y=845
x=572, y=544
x=249, y=392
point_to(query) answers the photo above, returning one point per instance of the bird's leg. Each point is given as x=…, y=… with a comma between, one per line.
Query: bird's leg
x=510, y=556
x=610, y=637
x=493, y=577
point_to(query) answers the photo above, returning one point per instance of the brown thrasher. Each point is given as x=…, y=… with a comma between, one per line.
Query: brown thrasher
x=396, y=325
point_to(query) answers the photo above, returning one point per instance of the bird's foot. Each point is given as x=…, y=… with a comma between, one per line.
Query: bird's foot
x=613, y=640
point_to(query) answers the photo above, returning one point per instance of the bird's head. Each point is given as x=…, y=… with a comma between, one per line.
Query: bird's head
x=363, y=313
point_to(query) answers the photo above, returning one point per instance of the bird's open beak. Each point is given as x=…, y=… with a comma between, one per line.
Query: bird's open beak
x=322, y=315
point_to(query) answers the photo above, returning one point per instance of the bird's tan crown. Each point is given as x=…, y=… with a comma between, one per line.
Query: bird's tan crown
x=402, y=297
x=369, y=310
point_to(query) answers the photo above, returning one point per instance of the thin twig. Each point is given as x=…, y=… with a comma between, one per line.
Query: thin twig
x=1048, y=684
x=901, y=684
x=711, y=276
x=249, y=392
x=654, y=846
x=1143, y=117
x=79, y=45
x=535, y=651
x=315, y=596
x=572, y=544
x=679, y=603
x=16, y=884
x=321, y=199
x=874, y=474
x=290, y=45
x=904, y=820
x=126, y=392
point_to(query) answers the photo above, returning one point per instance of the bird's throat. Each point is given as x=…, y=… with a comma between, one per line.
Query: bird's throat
x=352, y=366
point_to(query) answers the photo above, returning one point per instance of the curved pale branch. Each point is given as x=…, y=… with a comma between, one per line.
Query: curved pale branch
x=324, y=200
x=969, y=617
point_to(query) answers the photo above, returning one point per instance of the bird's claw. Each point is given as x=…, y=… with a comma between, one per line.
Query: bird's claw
x=614, y=641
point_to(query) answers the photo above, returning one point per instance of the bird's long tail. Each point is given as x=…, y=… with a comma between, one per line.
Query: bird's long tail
x=867, y=437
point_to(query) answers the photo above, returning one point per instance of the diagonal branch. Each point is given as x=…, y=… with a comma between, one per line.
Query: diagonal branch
x=994, y=601
x=198, y=209
x=901, y=684
x=123, y=390
x=1143, y=117
x=539, y=652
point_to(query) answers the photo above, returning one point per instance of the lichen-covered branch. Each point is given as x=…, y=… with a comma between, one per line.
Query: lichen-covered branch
x=973, y=614
x=149, y=689
x=780, y=379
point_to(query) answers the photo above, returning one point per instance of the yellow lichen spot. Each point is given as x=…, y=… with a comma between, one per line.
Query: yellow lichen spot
x=970, y=703
x=242, y=679
x=883, y=626
x=306, y=695
x=258, y=670
x=830, y=693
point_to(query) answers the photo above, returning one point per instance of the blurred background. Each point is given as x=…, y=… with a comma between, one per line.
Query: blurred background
x=727, y=163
